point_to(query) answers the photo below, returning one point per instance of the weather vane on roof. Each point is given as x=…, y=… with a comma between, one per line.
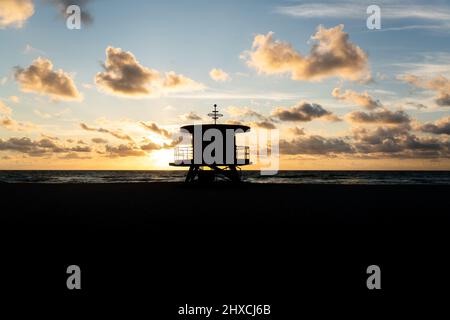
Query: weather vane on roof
x=215, y=114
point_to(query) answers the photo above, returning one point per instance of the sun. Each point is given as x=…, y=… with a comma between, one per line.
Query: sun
x=161, y=158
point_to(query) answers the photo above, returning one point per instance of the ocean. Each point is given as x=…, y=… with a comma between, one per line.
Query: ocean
x=298, y=177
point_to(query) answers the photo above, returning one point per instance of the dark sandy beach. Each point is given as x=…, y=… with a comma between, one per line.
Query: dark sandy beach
x=141, y=205
x=173, y=243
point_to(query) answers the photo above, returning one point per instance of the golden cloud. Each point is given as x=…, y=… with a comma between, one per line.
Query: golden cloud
x=4, y=109
x=303, y=112
x=14, y=99
x=40, y=78
x=383, y=116
x=115, y=133
x=14, y=13
x=99, y=140
x=333, y=55
x=178, y=82
x=219, y=75
x=124, y=150
x=361, y=99
x=439, y=84
x=125, y=76
x=10, y=124
x=441, y=126
x=37, y=148
x=156, y=129
x=265, y=124
x=315, y=145
x=191, y=116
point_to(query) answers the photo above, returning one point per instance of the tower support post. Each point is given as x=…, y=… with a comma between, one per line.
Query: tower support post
x=192, y=173
x=229, y=172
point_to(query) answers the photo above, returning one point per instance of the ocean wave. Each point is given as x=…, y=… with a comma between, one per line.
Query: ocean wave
x=300, y=177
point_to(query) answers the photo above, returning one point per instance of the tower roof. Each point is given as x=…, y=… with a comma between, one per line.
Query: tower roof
x=221, y=127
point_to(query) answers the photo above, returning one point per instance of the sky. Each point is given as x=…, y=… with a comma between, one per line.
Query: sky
x=113, y=94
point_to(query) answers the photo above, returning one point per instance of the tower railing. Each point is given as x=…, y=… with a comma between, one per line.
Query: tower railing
x=243, y=152
x=185, y=154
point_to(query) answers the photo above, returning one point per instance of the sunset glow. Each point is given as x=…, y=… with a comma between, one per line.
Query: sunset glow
x=113, y=94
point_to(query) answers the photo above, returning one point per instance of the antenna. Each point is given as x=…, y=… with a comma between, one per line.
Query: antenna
x=215, y=114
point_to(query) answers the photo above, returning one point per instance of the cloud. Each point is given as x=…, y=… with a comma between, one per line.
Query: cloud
x=191, y=116
x=74, y=156
x=380, y=136
x=4, y=109
x=443, y=100
x=37, y=148
x=399, y=142
x=45, y=115
x=263, y=124
x=234, y=122
x=150, y=146
x=379, y=117
x=134, y=150
x=417, y=105
x=246, y=112
x=42, y=115
x=303, y=112
x=332, y=55
x=14, y=99
x=115, y=133
x=297, y=131
x=26, y=145
x=219, y=75
x=361, y=99
x=86, y=16
x=124, y=150
x=439, y=84
x=14, y=13
x=441, y=126
x=178, y=82
x=173, y=143
x=9, y=123
x=29, y=49
x=153, y=127
x=377, y=143
x=49, y=137
x=40, y=78
x=99, y=140
x=253, y=124
x=123, y=75
x=81, y=149
x=315, y=145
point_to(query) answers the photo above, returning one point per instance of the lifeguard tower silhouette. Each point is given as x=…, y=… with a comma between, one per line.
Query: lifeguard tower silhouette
x=209, y=159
